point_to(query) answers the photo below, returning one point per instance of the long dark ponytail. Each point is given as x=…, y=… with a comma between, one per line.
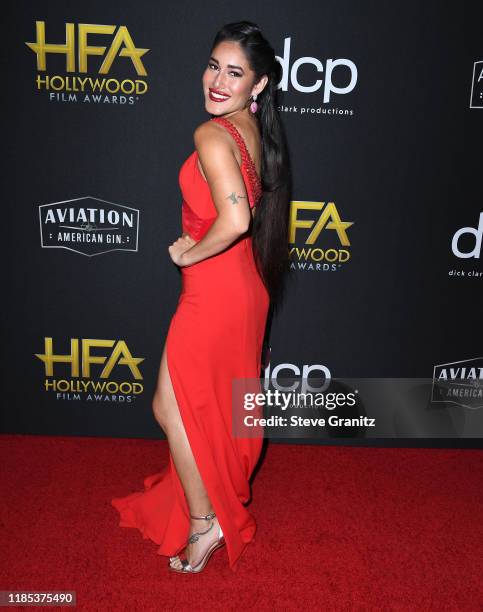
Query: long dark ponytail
x=270, y=224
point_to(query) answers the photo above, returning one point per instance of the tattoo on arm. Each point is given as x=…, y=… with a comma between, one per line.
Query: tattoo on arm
x=234, y=198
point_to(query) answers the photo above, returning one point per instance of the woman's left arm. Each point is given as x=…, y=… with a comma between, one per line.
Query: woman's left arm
x=225, y=180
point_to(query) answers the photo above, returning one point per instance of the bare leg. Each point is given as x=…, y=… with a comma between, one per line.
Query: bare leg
x=166, y=412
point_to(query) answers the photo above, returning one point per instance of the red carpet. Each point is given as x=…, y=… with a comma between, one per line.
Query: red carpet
x=339, y=528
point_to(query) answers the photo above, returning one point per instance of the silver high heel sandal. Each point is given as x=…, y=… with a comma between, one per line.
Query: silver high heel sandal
x=187, y=568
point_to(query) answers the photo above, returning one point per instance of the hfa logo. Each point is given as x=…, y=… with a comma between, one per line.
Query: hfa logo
x=66, y=88
x=317, y=217
x=80, y=360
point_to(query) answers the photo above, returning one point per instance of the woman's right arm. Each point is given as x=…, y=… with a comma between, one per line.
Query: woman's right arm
x=228, y=192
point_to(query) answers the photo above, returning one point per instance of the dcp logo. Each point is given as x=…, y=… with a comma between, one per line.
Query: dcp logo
x=476, y=232
x=346, y=66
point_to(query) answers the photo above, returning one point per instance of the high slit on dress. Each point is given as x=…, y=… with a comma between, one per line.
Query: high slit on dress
x=214, y=336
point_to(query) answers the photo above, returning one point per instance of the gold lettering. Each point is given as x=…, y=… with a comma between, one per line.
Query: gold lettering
x=121, y=46
x=328, y=219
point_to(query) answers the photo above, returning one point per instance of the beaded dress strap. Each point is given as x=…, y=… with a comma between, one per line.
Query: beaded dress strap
x=246, y=158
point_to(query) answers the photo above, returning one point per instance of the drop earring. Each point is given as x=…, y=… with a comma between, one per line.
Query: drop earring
x=254, y=105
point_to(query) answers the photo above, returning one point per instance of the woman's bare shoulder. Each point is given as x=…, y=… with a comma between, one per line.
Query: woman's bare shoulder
x=211, y=132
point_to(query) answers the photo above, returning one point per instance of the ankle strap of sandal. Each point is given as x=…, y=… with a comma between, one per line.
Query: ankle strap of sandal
x=205, y=518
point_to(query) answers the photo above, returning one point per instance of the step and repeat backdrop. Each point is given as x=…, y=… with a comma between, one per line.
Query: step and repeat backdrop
x=383, y=109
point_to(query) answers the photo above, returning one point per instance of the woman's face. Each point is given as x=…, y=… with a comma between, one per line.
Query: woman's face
x=227, y=80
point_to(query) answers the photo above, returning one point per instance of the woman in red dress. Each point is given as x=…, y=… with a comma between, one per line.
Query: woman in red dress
x=233, y=255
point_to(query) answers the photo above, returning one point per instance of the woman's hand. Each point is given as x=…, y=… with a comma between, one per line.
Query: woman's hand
x=180, y=246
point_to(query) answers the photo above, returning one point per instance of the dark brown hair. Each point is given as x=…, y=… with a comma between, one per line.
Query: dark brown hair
x=270, y=224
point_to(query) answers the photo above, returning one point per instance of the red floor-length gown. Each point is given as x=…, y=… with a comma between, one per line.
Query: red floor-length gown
x=215, y=335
